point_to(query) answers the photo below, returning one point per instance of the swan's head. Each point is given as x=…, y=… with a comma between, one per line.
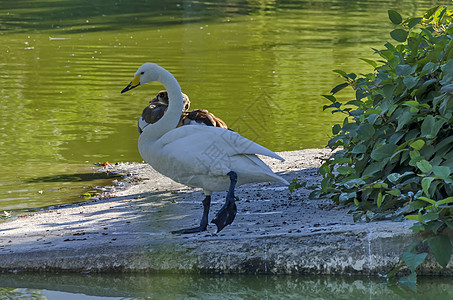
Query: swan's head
x=148, y=72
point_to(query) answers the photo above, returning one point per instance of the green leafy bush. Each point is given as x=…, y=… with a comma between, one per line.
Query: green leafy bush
x=394, y=153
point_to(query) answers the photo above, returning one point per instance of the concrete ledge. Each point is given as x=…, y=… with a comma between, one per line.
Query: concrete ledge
x=275, y=232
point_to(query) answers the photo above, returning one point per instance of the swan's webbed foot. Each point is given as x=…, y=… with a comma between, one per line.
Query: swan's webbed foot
x=227, y=213
x=190, y=230
x=203, y=222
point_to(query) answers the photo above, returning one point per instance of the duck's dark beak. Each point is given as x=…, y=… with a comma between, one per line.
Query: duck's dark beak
x=133, y=84
x=154, y=100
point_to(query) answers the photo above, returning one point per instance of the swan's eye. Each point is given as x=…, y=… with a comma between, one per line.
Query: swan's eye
x=142, y=73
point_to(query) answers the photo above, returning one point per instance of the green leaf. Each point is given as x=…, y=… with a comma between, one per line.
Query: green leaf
x=441, y=171
x=427, y=124
x=331, y=98
x=352, y=76
x=394, y=192
x=417, y=228
x=440, y=245
x=430, y=67
x=417, y=145
x=393, y=178
x=346, y=196
x=358, y=149
x=430, y=201
x=379, y=185
x=399, y=35
x=380, y=199
x=439, y=14
x=430, y=12
x=395, y=17
x=354, y=182
x=444, y=201
x=365, y=131
x=435, y=226
x=430, y=126
x=415, y=157
x=388, y=90
x=324, y=169
x=373, y=111
x=449, y=224
x=405, y=117
x=447, y=70
x=370, y=62
x=413, y=22
x=342, y=160
x=426, y=183
x=413, y=260
x=404, y=70
x=410, y=82
x=384, y=151
x=345, y=170
x=411, y=103
x=372, y=169
x=413, y=217
x=431, y=216
x=336, y=129
x=339, y=88
x=424, y=166
x=341, y=72
x=325, y=183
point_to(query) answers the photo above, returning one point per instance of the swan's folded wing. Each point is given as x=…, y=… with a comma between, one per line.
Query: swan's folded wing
x=213, y=139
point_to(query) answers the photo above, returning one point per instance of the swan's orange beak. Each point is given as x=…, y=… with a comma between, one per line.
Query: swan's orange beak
x=133, y=84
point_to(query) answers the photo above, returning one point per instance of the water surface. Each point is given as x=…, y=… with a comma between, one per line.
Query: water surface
x=90, y=287
x=259, y=65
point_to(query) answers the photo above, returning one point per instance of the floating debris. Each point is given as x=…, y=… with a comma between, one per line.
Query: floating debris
x=105, y=164
x=5, y=215
x=57, y=38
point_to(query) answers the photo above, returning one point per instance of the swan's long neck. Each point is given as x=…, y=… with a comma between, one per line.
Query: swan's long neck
x=175, y=105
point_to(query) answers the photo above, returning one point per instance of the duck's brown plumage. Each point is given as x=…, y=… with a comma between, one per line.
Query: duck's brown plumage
x=153, y=112
x=201, y=116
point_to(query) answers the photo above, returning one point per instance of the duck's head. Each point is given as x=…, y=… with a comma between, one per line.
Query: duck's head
x=148, y=72
x=162, y=97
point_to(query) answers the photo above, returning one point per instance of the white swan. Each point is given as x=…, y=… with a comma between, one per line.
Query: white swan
x=211, y=158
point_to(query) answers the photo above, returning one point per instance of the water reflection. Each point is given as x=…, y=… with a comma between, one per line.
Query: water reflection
x=259, y=65
x=215, y=287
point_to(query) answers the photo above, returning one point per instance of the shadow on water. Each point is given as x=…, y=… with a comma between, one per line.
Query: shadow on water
x=30, y=191
x=73, y=16
x=164, y=286
x=76, y=177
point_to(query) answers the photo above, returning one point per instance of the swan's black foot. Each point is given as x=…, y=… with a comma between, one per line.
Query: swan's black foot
x=190, y=230
x=225, y=216
x=203, y=222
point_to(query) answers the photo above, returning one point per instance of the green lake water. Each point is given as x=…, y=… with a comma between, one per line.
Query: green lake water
x=259, y=65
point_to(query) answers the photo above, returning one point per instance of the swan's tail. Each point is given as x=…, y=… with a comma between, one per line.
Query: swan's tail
x=279, y=179
x=270, y=175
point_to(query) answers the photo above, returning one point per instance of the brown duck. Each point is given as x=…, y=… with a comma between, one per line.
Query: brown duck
x=158, y=106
